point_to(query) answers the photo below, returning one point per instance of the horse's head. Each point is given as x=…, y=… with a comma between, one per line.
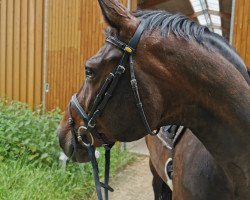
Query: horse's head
x=178, y=65
x=120, y=119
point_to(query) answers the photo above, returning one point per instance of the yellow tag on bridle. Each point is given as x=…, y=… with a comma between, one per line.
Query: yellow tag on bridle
x=128, y=49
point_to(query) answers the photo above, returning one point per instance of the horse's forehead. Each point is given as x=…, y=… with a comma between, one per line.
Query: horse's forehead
x=106, y=53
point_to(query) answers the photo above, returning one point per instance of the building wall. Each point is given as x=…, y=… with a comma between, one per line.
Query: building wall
x=21, y=46
x=64, y=63
x=241, y=34
x=75, y=33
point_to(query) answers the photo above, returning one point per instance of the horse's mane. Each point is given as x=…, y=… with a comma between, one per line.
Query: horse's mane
x=183, y=27
x=166, y=22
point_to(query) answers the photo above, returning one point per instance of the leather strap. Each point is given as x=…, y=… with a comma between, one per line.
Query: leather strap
x=94, y=163
x=137, y=36
x=137, y=97
x=117, y=43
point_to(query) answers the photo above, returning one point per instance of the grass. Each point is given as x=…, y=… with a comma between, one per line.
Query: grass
x=25, y=181
x=28, y=182
x=29, y=163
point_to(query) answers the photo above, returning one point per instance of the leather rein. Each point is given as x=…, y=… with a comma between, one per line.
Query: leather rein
x=99, y=104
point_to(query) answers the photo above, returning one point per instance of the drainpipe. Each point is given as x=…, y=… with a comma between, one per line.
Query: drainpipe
x=45, y=55
x=129, y=5
x=232, y=22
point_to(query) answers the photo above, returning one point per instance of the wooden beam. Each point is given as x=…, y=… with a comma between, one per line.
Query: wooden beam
x=212, y=12
x=145, y=4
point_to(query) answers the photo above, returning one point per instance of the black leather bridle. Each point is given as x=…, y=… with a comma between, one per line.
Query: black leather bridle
x=99, y=104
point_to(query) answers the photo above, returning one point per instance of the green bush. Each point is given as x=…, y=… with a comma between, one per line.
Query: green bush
x=28, y=135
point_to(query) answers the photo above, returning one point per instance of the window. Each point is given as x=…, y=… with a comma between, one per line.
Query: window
x=213, y=5
x=206, y=14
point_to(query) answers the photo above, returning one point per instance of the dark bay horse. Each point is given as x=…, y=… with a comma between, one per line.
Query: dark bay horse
x=197, y=175
x=185, y=74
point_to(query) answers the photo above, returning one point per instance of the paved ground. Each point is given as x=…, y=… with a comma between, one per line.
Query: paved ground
x=133, y=182
x=138, y=147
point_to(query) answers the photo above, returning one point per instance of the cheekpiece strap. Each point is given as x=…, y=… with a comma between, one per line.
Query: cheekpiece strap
x=78, y=107
x=137, y=36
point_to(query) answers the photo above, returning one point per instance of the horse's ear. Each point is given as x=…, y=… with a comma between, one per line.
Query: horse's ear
x=118, y=16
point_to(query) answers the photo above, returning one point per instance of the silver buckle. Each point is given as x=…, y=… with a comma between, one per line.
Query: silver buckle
x=91, y=123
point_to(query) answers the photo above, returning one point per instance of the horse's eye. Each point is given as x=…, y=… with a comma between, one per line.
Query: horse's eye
x=89, y=72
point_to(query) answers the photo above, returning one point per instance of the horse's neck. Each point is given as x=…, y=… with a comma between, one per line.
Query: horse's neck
x=219, y=45
x=224, y=106
x=225, y=134
x=215, y=105
x=228, y=140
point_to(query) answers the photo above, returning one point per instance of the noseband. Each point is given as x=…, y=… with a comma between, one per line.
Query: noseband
x=99, y=104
